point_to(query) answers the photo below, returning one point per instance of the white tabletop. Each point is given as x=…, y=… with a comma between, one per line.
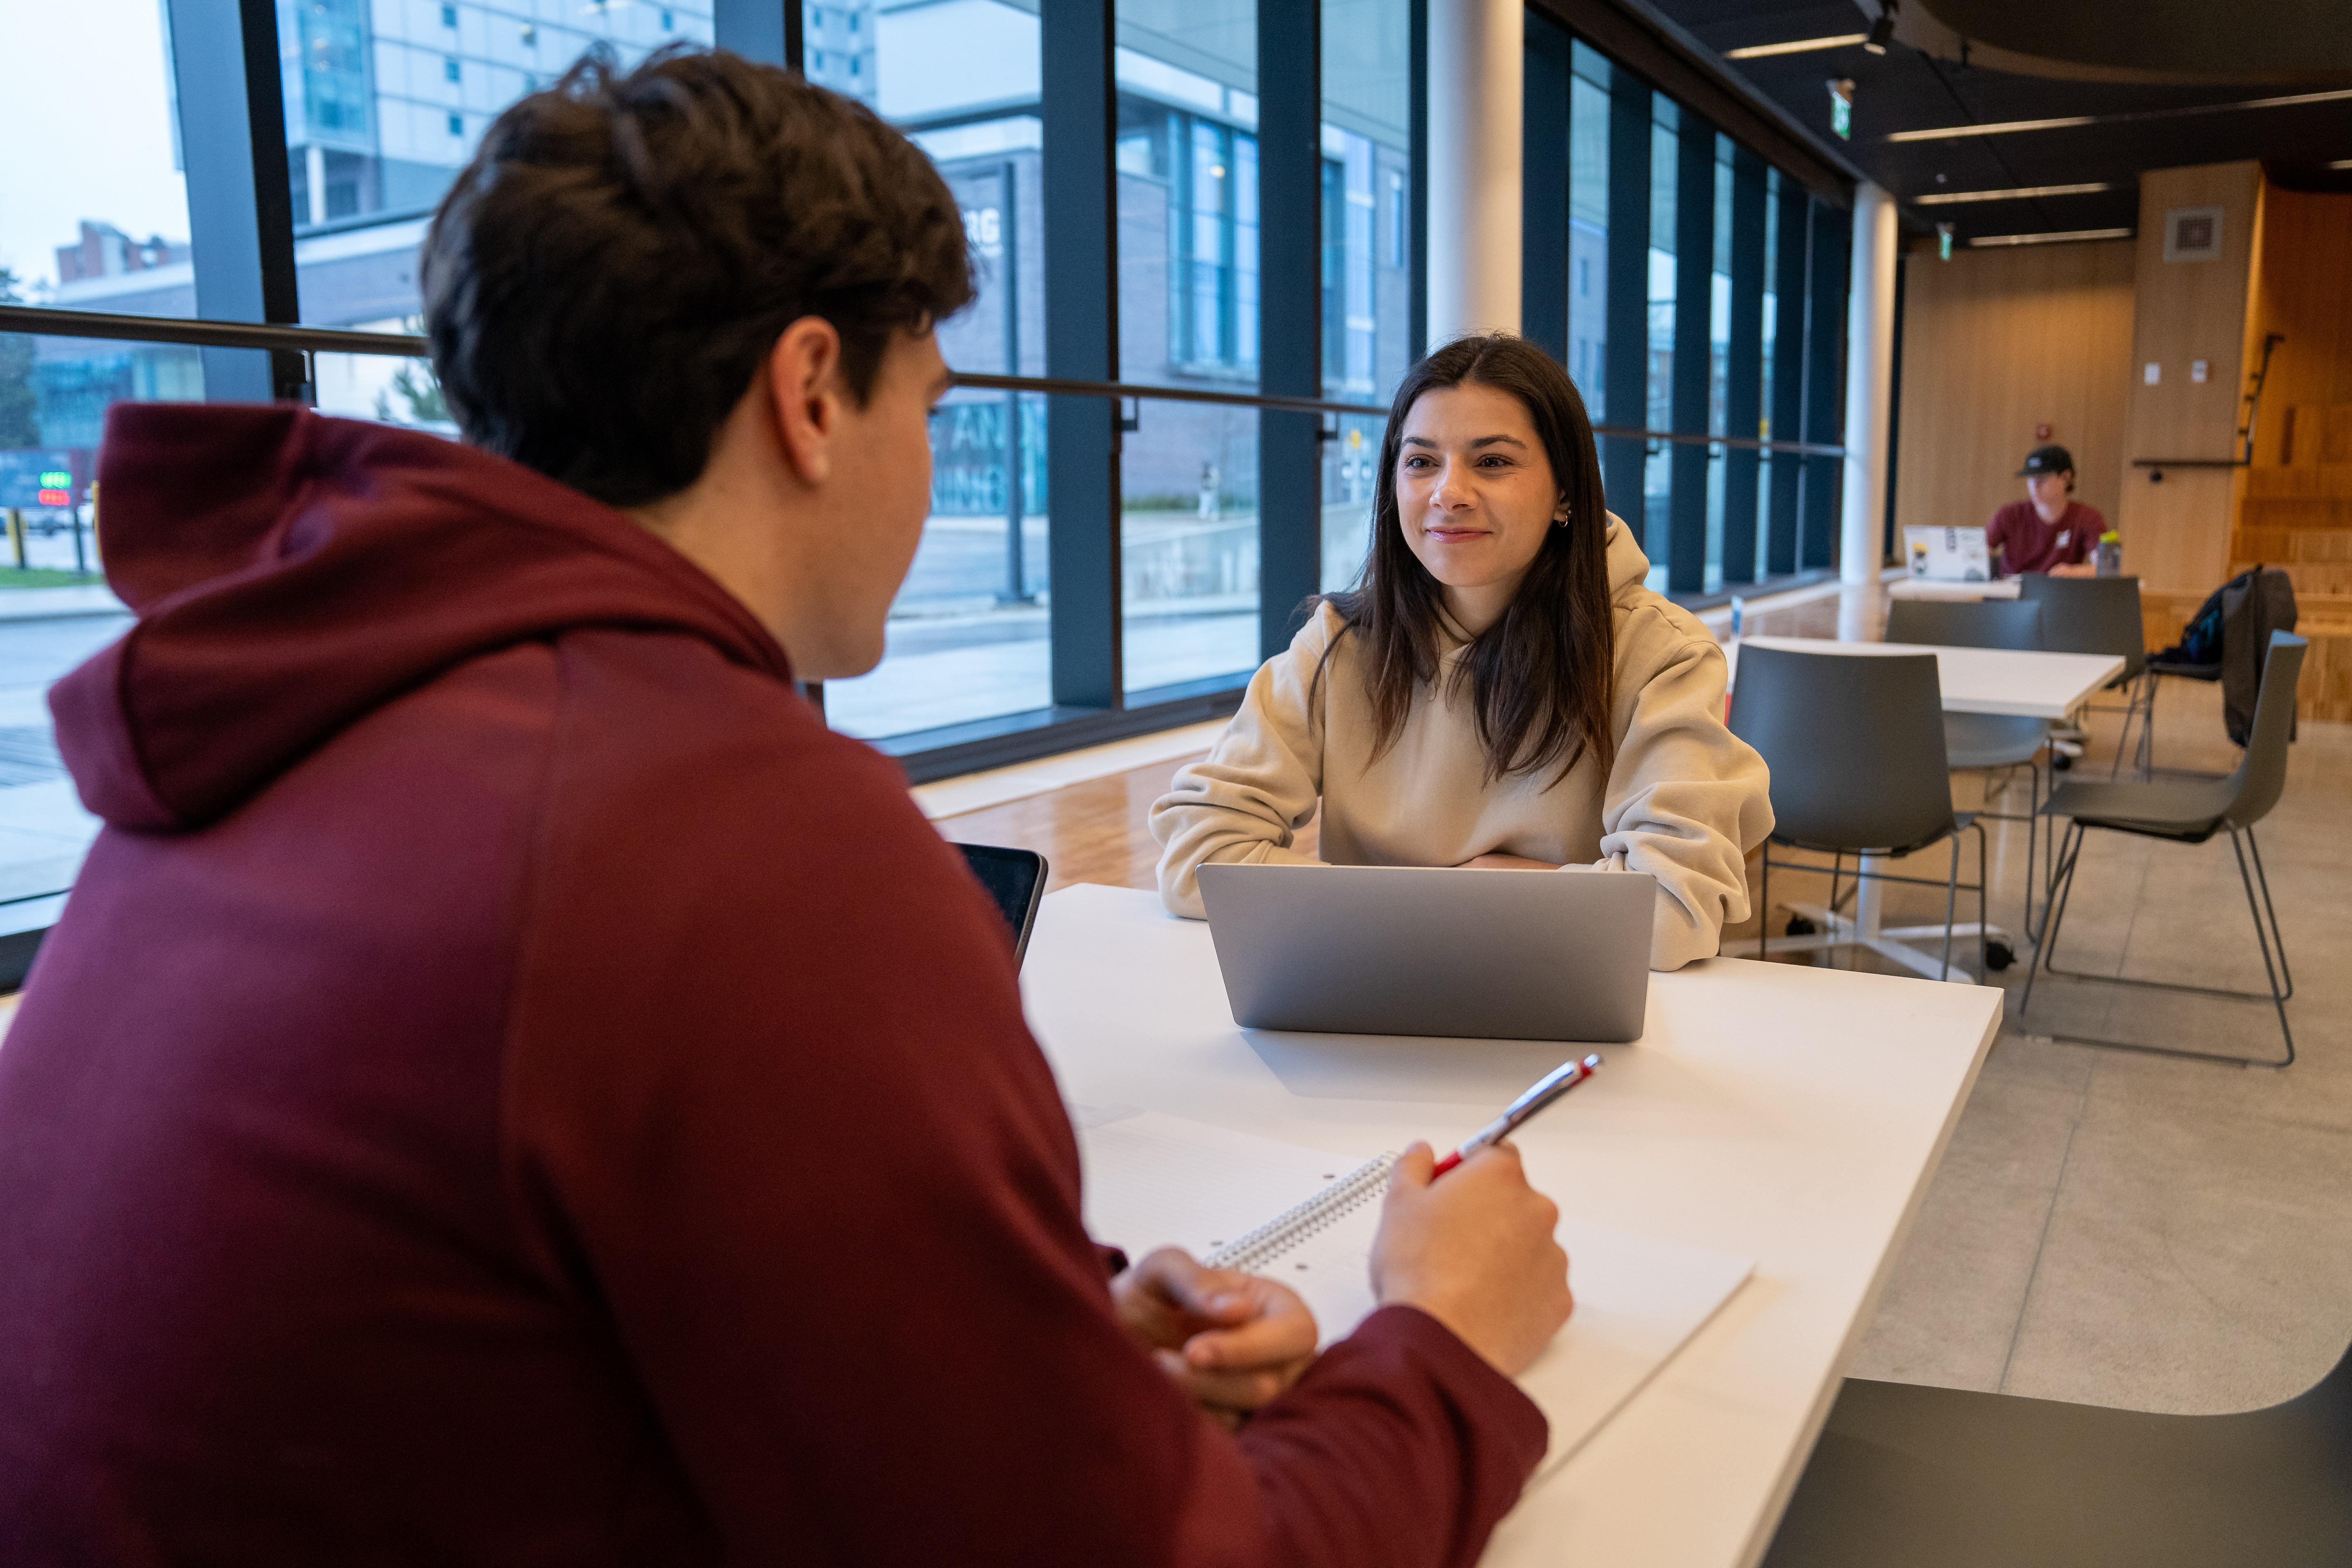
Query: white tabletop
x=1787, y=1114
x=1940, y=588
x=1981, y=679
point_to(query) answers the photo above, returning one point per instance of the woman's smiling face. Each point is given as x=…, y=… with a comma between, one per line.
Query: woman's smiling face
x=1476, y=496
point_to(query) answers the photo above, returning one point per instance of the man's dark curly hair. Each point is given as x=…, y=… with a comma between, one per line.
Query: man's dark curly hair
x=603, y=279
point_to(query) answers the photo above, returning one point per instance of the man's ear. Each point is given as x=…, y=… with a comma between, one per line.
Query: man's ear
x=806, y=395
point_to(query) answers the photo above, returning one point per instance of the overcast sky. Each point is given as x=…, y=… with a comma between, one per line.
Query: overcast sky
x=85, y=128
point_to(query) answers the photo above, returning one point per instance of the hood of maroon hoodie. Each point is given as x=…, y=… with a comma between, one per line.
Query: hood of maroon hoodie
x=293, y=573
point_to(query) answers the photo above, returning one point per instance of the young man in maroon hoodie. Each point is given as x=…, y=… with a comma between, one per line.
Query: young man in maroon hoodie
x=510, y=1088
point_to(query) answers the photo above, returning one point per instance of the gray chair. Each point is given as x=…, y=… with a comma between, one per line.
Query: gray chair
x=1946, y=1477
x=1855, y=746
x=1986, y=741
x=2191, y=812
x=2101, y=615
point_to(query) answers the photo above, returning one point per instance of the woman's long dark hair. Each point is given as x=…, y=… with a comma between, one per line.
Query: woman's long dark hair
x=1540, y=678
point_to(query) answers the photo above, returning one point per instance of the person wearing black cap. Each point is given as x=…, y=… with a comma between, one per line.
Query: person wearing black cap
x=2048, y=531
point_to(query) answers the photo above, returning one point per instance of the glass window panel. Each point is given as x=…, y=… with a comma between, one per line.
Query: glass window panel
x=386, y=103
x=384, y=388
x=1771, y=327
x=1587, y=233
x=96, y=213
x=1350, y=469
x=1367, y=215
x=54, y=395
x=968, y=632
x=1657, y=475
x=1188, y=543
x=1718, y=361
x=1186, y=157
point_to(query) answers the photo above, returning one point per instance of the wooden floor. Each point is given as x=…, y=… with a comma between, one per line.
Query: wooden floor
x=1091, y=832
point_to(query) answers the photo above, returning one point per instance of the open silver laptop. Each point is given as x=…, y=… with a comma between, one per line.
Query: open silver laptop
x=1409, y=950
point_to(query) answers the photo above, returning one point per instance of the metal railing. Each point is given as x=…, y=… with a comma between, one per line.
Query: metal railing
x=310, y=340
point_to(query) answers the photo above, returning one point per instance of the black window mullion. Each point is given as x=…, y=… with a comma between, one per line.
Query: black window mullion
x=1694, y=351
x=1627, y=380
x=240, y=202
x=1743, y=402
x=1825, y=383
x=1081, y=344
x=1543, y=189
x=1789, y=375
x=1290, y=312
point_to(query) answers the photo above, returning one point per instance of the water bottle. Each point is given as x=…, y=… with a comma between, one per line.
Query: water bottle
x=2109, y=558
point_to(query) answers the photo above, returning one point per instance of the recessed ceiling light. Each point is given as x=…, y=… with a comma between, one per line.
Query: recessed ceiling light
x=2005, y=127
x=1798, y=46
x=2022, y=193
x=2060, y=238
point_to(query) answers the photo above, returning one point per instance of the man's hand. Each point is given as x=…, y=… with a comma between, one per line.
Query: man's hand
x=1475, y=1251
x=1499, y=862
x=1231, y=1341
x=2077, y=569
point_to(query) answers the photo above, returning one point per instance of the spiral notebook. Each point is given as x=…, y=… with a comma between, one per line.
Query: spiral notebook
x=1308, y=1218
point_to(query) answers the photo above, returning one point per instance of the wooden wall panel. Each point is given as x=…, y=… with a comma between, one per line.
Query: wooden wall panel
x=2177, y=530
x=1996, y=342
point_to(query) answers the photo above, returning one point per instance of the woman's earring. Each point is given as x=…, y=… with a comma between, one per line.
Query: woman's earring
x=1561, y=521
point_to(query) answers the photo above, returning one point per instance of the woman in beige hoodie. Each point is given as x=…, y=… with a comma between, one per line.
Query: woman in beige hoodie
x=1500, y=690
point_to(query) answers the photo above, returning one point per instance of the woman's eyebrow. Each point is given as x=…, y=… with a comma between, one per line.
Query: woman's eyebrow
x=1481, y=441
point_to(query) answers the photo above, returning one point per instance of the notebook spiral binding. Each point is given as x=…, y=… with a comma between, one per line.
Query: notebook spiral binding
x=1327, y=1208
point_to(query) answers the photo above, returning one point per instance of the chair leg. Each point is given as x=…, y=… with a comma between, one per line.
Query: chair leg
x=2054, y=912
x=2053, y=905
x=2278, y=998
x=1984, y=892
x=2278, y=938
x=1837, y=863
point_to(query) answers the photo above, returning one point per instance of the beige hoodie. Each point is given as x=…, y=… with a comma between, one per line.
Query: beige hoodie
x=1685, y=801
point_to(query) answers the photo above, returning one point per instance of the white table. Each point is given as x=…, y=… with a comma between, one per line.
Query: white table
x=1979, y=680
x=1787, y=1114
x=1972, y=680
x=1936, y=588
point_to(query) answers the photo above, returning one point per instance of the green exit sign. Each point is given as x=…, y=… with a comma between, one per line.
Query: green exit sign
x=1841, y=107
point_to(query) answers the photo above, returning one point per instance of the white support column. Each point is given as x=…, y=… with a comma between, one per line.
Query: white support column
x=1869, y=390
x=1477, y=69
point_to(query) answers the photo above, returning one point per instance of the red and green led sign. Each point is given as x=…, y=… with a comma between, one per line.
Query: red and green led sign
x=57, y=488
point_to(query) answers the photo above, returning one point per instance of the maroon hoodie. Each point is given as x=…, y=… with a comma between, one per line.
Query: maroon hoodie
x=510, y=1087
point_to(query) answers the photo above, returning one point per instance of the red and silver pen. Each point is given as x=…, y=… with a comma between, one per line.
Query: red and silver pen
x=1550, y=1087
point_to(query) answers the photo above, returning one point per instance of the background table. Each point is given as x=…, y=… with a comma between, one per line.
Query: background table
x=1789, y=1115
x=1939, y=588
x=1981, y=680
x=1972, y=680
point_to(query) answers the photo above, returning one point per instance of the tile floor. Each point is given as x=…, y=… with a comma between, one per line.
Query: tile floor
x=2132, y=1230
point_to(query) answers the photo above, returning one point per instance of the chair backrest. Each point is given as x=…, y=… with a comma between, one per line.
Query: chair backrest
x=2261, y=777
x=1982, y=623
x=1855, y=742
x=2089, y=615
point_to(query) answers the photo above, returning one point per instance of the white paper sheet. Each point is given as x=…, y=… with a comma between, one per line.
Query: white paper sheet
x=1154, y=1180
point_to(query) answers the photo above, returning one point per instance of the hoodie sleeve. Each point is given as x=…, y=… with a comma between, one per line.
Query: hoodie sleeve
x=1687, y=800
x=1245, y=802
